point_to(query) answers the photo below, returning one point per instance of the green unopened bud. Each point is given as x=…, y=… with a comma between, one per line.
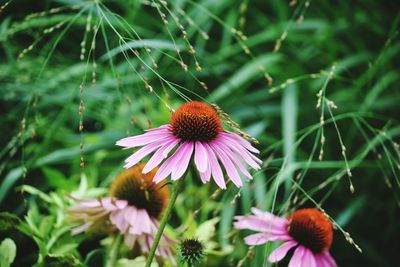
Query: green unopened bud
x=191, y=251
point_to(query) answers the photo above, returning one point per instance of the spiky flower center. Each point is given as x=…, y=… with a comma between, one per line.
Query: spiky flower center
x=191, y=251
x=311, y=228
x=140, y=191
x=195, y=121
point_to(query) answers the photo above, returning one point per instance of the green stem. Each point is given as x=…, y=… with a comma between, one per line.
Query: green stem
x=175, y=190
x=113, y=253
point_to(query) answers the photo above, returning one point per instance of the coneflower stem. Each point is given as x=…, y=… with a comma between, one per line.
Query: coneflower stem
x=174, y=193
x=113, y=252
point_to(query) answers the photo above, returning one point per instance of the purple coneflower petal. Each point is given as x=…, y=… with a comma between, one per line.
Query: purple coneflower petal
x=234, y=159
x=118, y=219
x=120, y=203
x=165, y=127
x=236, y=138
x=229, y=167
x=130, y=214
x=256, y=224
x=200, y=157
x=89, y=203
x=309, y=259
x=215, y=168
x=205, y=176
x=243, y=153
x=130, y=240
x=111, y=204
x=270, y=218
x=280, y=252
x=297, y=258
x=325, y=259
x=144, y=220
x=180, y=169
x=81, y=228
x=143, y=139
x=143, y=152
x=160, y=154
x=167, y=167
x=256, y=239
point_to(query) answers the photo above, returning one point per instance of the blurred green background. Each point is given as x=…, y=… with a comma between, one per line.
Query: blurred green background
x=78, y=75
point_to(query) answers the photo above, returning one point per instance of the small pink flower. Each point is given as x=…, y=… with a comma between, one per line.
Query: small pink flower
x=195, y=129
x=309, y=231
x=132, y=209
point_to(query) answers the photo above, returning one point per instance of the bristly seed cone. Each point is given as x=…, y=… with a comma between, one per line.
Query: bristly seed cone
x=191, y=251
x=311, y=228
x=196, y=121
x=140, y=190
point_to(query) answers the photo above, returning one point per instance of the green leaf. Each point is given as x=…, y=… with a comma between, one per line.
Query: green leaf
x=137, y=262
x=8, y=182
x=8, y=250
x=36, y=192
x=8, y=221
x=57, y=179
x=206, y=230
x=61, y=261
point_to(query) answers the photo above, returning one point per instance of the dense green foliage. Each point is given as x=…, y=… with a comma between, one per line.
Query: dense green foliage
x=300, y=77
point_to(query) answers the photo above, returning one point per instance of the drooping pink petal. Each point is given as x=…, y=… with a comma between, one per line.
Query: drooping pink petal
x=130, y=214
x=233, y=158
x=215, y=168
x=81, y=228
x=256, y=239
x=205, y=176
x=110, y=204
x=229, y=167
x=144, y=220
x=200, y=157
x=297, y=258
x=164, y=127
x=130, y=240
x=89, y=203
x=143, y=152
x=243, y=153
x=236, y=138
x=325, y=259
x=118, y=219
x=319, y=262
x=280, y=252
x=271, y=218
x=240, y=148
x=159, y=155
x=254, y=223
x=167, y=167
x=90, y=210
x=120, y=203
x=180, y=169
x=143, y=139
x=308, y=258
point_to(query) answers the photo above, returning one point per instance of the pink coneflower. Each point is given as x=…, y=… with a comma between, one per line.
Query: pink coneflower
x=133, y=207
x=309, y=231
x=195, y=129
